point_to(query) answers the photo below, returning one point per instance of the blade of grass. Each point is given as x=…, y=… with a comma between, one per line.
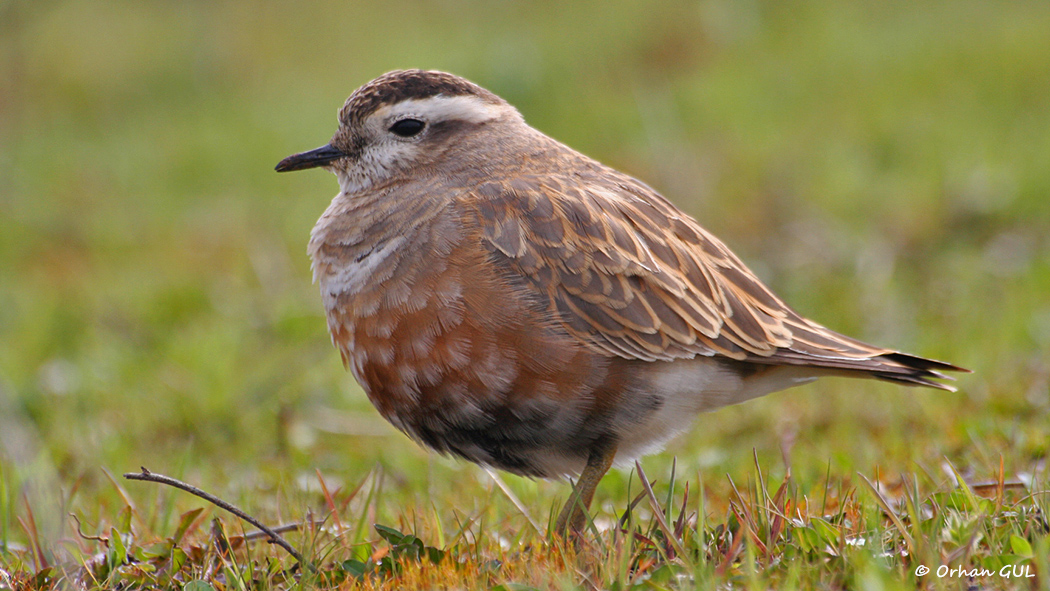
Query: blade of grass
x=745, y=514
x=659, y=514
x=513, y=498
x=669, y=506
x=908, y=541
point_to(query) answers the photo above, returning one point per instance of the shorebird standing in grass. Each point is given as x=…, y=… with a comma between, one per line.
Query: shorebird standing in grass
x=506, y=299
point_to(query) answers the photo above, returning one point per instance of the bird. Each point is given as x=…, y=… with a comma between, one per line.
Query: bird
x=503, y=298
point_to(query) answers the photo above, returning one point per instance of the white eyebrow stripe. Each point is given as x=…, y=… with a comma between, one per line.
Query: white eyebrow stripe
x=446, y=108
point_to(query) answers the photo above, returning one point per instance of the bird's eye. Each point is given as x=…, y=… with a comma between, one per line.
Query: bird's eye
x=408, y=127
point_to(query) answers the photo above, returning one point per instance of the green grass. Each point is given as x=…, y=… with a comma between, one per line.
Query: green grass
x=884, y=167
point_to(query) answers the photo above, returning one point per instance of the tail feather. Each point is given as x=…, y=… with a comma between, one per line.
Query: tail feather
x=891, y=366
x=916, y=370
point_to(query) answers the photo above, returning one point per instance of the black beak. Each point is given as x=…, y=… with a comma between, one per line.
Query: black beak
x=312, y=159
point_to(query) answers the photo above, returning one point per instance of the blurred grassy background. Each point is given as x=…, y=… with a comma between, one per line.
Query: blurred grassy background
x=885, y=166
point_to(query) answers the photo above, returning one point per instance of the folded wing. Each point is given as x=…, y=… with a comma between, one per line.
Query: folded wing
x=630, y=275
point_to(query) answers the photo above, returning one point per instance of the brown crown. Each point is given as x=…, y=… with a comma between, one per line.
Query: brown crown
x=401, y=85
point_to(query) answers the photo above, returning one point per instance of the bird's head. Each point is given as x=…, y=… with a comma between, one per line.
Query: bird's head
x=406, y=119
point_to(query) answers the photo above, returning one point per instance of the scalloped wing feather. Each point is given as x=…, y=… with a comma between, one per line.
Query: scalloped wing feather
x=630, y=275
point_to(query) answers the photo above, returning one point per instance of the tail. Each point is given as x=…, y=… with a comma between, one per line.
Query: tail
x=911, y=370
x=821, y=348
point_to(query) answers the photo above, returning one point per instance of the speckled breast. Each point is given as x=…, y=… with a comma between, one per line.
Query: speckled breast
x=462, y=356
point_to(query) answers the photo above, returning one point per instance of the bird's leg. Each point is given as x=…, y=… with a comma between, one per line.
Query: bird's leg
x=574, y=513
